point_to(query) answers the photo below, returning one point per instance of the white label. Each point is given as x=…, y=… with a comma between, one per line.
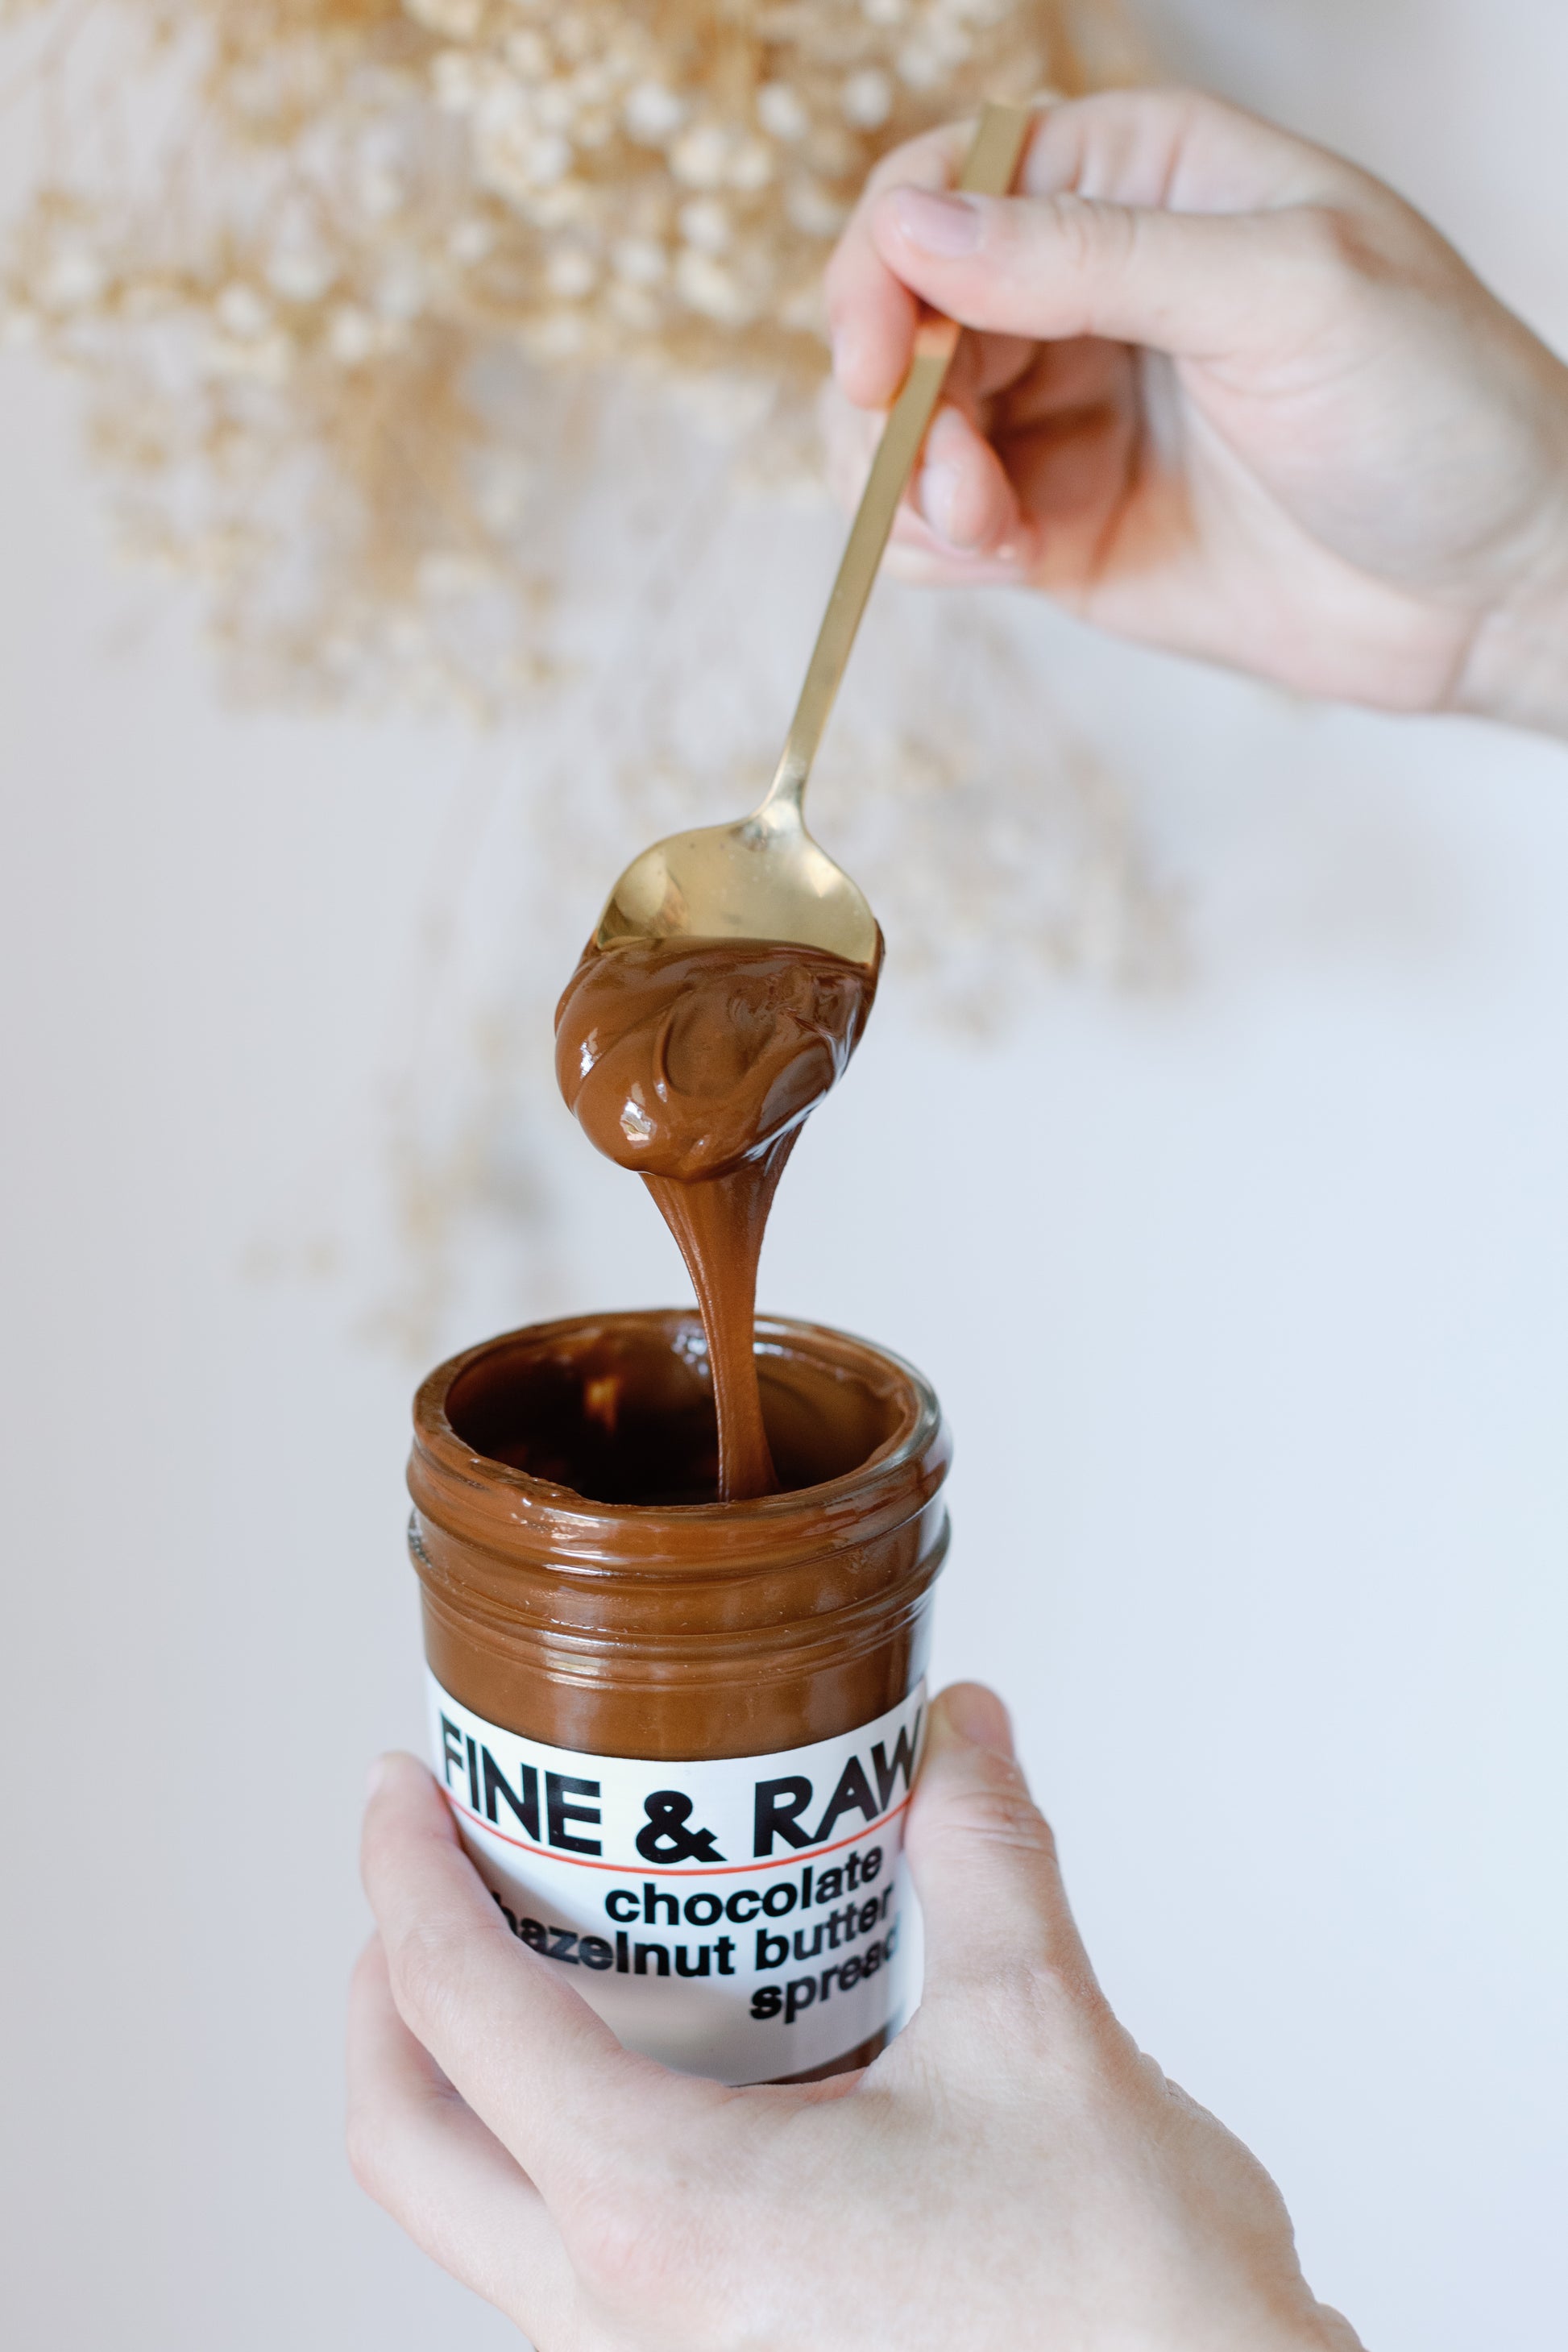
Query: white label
x=741, y=1917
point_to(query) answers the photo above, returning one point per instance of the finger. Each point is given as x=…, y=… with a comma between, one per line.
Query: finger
x=916, y=552
x=1178, y=151
x=525, y=2051
x=984, y=1862
x=1174, y=149
x=443, y=2178
x=1194, y=284
x=917, y=556
x=1059, y=379
x=1027, y=453
x=1014, y=489
x=961, y=490
x=985, y=366
x=1037, y=460
x=871, y=315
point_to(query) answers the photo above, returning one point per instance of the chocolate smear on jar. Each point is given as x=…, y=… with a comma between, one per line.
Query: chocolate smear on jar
x=696, y=1062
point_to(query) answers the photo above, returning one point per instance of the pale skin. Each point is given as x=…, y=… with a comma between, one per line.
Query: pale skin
x=1011, y=2172
x=1230, y=396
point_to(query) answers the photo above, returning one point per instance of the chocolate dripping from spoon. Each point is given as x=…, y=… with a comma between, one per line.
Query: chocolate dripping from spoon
x=696, y=1062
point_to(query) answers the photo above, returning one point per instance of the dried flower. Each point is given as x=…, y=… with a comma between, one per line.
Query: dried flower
x=357, y=207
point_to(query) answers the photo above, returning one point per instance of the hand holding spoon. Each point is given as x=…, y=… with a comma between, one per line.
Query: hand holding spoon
x=766, y=877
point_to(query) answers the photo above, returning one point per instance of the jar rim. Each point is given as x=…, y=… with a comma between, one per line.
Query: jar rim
x=504, y=1509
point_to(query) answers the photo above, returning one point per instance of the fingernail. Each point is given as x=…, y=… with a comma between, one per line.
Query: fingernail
x=376, y=1776
x=939, y=492
x=947, y=225
x=848, y=360
x=978, y=1716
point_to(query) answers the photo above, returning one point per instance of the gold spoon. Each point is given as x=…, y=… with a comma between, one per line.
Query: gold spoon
x=765, y=878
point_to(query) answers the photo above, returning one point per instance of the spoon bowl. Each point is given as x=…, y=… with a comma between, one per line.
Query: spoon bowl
x=763, y=878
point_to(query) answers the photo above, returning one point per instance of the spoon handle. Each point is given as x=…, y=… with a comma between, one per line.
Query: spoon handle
x=989, y=171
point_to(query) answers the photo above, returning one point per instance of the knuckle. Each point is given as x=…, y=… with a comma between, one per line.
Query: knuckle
x=1340, y=248
x=1321, y=236
x=681, y=2234
x=366, y=2147
x=993, y=1808
x=924, y=161
x=1022, y=2016
x=1094, y=243
x=1187, y=112
x=640, y=2250
x=1053, y=1988
x=425, y=1962
x=845, y=268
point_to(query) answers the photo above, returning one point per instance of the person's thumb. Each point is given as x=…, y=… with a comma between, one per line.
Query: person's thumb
x=1197, y=285
x=985, y=1862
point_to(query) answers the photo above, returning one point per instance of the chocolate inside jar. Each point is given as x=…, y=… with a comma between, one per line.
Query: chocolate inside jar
x=623, y=1413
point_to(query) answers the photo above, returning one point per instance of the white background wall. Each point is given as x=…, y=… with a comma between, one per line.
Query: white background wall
x=1247, y=1302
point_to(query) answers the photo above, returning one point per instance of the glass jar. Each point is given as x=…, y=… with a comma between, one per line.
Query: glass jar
x=679, y=1735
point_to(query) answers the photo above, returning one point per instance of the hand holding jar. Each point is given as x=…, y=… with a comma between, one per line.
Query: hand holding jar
x=1010, y=2171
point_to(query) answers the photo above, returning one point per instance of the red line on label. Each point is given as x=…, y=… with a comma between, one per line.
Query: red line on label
x=799, y=1857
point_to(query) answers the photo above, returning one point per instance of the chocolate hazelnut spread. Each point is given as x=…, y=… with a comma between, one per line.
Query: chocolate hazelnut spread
x=679, y=1735
x=696, y=1062
x=676, y=1576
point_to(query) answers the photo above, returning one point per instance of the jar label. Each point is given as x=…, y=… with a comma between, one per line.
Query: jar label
x=740, y=1917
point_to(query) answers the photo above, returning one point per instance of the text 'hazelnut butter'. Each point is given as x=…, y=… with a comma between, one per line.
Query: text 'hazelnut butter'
x=679, y=1735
